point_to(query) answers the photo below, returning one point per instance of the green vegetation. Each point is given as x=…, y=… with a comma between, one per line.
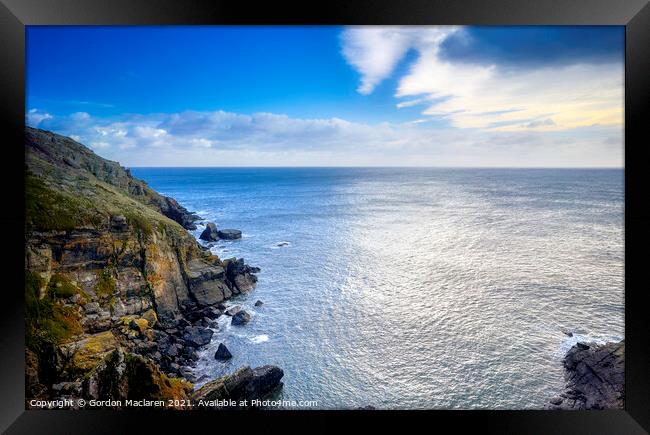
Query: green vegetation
x=47, y=321
x=105, y=287
x=61, y=287
x=140, y=223
x=47, y=209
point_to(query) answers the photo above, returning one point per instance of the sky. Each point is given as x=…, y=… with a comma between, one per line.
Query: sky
x=515, y=96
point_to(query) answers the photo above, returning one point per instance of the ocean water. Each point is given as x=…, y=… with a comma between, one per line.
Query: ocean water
x=414, y=288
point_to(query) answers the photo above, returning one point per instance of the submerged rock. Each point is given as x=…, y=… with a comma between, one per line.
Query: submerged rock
x=210, y=233
x=259, y=303
x=241, y=318
x=222, y=352
x=244, y=384
x=595, y=377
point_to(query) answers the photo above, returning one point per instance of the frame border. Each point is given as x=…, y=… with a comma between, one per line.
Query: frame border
x=634, y=14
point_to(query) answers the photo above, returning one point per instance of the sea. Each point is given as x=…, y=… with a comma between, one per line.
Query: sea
x=413, y=288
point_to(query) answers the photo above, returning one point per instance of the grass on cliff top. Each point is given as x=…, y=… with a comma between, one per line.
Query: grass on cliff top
x=85, y=202
x=47, y=209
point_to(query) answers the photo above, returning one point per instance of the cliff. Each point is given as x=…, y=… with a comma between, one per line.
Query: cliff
x=110, y=267
x=595, y=377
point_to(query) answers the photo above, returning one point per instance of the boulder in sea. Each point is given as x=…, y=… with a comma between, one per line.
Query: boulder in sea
x=229, y=234
x=222, y=352
x=259, y=303
x=241, y=318
x=196, y=336
x=210, y=233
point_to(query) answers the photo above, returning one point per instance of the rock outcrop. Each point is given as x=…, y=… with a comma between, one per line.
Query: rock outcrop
x=210, y=233
x=110, y=269
x=241, y=274
x=595, y=377
x=244, y=384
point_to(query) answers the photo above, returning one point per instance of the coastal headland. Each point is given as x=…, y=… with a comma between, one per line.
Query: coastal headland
x=119, y=296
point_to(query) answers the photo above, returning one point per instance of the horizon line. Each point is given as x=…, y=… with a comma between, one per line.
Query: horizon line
x=375, y=167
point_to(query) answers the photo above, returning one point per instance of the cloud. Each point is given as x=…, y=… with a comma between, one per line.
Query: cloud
x=34, y=117
x=483, y=95
x=541, y=123
x=375, y=51
x=222, y=138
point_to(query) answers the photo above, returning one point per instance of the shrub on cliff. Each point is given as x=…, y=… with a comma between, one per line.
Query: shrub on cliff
x=61, y=287
x=46, y=320
x=48, y=323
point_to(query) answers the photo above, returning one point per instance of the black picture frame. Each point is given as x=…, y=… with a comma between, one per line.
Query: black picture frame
x=633, y=14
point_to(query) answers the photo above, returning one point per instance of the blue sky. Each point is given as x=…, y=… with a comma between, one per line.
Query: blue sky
x=269, y=96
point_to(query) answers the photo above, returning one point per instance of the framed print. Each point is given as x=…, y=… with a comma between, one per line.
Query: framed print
x=372, y=211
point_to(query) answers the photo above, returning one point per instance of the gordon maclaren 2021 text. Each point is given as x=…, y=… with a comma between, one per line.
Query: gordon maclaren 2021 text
x=145, y=403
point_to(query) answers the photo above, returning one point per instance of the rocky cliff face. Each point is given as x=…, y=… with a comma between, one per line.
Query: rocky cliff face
x=110, y=267
x=595, y=376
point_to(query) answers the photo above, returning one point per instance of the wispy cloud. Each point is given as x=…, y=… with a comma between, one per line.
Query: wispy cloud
x=483, y=95
x=83, y=103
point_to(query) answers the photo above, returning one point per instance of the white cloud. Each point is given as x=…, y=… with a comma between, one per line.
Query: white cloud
x=268, y=139
x=35, y=117
x=375, y=51
x=552, y=98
